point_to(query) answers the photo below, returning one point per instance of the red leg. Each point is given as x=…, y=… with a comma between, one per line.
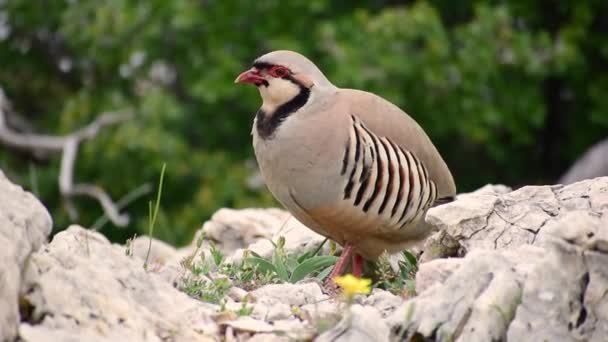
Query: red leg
x=357, y=265
x=347, y=252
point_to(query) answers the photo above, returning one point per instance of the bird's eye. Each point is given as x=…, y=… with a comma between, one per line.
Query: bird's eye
x=279, y=71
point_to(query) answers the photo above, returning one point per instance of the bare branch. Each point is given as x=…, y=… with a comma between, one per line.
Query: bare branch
x=68, y=147
x=127, y=199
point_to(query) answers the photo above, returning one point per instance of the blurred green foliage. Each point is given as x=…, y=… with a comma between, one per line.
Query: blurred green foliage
x=510, y=91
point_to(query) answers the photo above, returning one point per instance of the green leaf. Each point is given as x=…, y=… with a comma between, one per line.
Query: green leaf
x=323, y=274
x=411, y=258
x=310, y=254
x=311, y=265
x=256, y=254
x=263, y=265
x=279, y=263
x=291, y=262
x=304, y=256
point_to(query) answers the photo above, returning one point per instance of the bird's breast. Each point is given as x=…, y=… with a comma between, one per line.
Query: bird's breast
x=298, y=160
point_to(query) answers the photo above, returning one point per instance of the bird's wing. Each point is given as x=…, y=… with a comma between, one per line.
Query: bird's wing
x=384, y=190
x=387, y=120
x=379, y=170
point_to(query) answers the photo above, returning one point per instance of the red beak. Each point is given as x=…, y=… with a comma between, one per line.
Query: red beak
x=250, y=76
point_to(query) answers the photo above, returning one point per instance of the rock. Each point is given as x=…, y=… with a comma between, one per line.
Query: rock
x=269, y=338
x=160, y=251
x=553, y=291
x=439, y=245
x=492, y=220
x=238, y=294
x=322, y=311
x=24, y=227
x=532, y=267
x=275, y=301
x=383, y=301
x=81, y=285
x=233, y=231
x=290, y=294
x=292, y=329
x=488, y=189
x=435, y=272
x=359, y=324
x=298, y=240
x=593, y=163
x=249, y=324
x=565, y=296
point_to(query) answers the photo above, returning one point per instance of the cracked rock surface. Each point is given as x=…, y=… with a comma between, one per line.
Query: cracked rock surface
x=492, y=219
x=531, y=266
x=82, y=288
x=534, y=270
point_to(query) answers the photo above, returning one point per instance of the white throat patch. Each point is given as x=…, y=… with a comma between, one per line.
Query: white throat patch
x=278, y=92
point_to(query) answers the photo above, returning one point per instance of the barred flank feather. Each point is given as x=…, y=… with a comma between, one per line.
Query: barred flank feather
x=387, y=180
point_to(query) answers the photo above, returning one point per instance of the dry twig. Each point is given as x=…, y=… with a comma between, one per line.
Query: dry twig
x=68, y=146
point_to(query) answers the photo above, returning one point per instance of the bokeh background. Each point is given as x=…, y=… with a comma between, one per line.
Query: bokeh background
x=511, y=92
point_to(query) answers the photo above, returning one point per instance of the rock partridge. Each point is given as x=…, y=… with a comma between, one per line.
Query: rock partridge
x=346, y=163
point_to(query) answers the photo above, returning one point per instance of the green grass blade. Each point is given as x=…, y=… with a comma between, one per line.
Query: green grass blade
x=152, y=217
x=311, y=265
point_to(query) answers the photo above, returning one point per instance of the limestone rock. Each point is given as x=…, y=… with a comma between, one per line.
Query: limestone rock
x=359, y=324
x=440, y=245
x=275, y=301
x=494, y=220
x=383, y=301
x=24, y=227
x=555, y=291
x=435, y=272
x=80, y=286
x=593, y=163
x=532, y=267
x=160, y=251
x=233, y=231
x=293, y=330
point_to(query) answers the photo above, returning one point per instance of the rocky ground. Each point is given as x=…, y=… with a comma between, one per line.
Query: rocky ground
x=524, y=265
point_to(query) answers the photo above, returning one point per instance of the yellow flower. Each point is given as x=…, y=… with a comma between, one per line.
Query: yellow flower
x=352, y=285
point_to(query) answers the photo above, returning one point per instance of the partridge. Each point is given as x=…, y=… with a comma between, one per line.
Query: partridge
x=346, y=163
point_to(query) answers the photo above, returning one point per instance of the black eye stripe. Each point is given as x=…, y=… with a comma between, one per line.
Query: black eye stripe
x=285, y=71
x=262, y=65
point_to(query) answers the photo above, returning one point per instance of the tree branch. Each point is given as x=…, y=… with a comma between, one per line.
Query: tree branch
x=68, y=147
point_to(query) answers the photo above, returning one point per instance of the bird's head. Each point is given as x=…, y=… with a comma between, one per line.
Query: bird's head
x=281, y=76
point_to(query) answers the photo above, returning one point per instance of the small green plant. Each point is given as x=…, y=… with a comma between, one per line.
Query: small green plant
x=210, y=276
x=292, y=268
x=245, y=310
x=129, y=246
x=152, y=214
x=212, y=291
x=218, y=256
x=401, y=281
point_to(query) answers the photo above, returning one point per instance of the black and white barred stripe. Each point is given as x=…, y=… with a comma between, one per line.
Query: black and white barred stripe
x=384, y=178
